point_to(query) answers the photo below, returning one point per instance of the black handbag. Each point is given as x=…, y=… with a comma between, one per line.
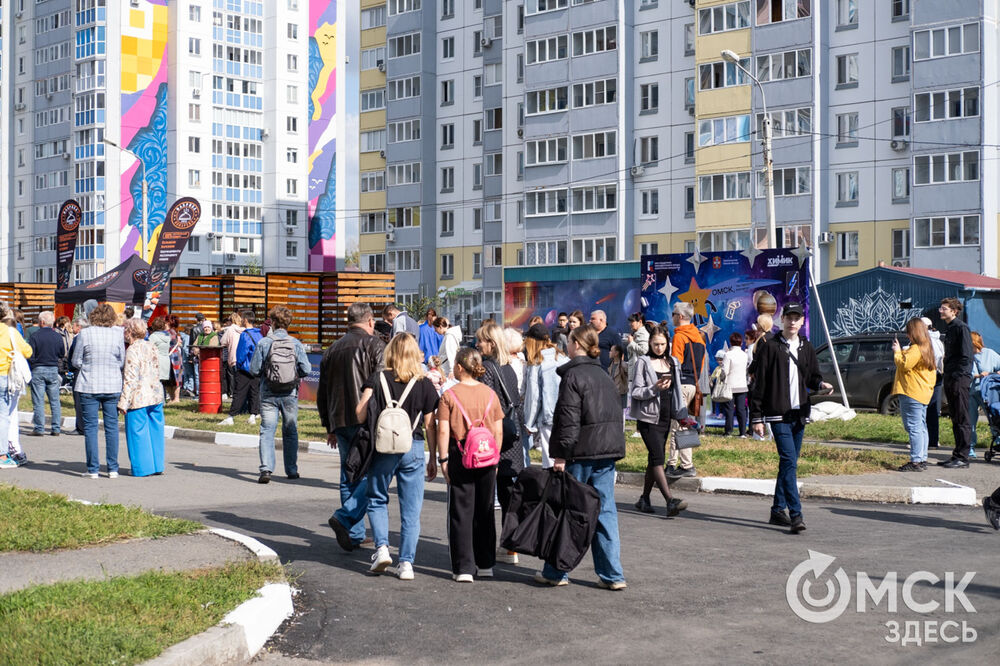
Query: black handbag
x=510, y=430
x=686, y=438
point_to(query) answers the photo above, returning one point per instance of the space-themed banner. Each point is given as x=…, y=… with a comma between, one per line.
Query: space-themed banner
x=618, y=297
x=727, y=289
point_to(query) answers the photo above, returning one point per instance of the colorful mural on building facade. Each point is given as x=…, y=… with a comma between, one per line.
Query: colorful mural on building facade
x=322, y=134
x=143, y=121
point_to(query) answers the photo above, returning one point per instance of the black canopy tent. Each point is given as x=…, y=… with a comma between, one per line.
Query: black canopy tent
x=126, y=283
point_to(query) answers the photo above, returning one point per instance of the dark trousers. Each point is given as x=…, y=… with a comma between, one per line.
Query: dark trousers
x=504, y=486
x=956, y=389
x=228, y=377
x=996, y=496
x=933, y=415
x=738, y=407
x=246, y=394
x=472, y=531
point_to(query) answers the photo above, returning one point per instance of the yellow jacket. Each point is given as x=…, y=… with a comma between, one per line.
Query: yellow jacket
x=912, y=381
x=8, y=338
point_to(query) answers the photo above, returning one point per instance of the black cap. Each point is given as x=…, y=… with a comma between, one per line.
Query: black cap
x=792, y=308
x=199, y=317
x=538, y=332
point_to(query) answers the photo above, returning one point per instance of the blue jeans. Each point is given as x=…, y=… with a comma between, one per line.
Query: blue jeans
x=788, y=440
x=353, y=497
x=108, y=403
x=606, y=546
x=288, y=407
x=190, y=375
x=45, y=381
x=914, y=415
x=408, y=468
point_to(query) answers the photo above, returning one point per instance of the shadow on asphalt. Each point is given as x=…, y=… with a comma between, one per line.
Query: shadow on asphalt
x=909, y=519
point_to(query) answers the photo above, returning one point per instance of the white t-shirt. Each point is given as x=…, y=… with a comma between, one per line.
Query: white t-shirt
x=794, y=399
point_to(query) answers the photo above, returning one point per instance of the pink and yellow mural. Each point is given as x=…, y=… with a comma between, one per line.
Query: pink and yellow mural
x=322, y=134
x=143, y=121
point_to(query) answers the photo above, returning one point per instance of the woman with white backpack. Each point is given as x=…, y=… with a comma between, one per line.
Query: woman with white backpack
x=401, y=401
x=14, y=376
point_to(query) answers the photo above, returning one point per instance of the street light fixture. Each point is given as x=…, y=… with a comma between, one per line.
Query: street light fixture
x=145, y=196
x=772, y=241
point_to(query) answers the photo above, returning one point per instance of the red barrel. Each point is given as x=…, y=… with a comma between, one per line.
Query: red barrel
x=210, y=385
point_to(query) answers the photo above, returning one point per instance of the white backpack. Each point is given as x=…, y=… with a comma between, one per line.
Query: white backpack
x=393, y=430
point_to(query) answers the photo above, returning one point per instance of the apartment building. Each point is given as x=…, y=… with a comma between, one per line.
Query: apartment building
x=205, y=98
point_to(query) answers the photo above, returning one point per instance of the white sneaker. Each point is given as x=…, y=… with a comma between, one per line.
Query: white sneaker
x=485, y=573
x=226, y=421
x=225, y=396
x=252, y=420
x=112, y=475
x=88, y=475
x=462, y=578
x=380, y=560
x=405, y=571
x=506, y=556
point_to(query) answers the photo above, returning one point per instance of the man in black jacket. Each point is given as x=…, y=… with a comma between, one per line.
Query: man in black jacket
x=346, y=365
x=958, y=356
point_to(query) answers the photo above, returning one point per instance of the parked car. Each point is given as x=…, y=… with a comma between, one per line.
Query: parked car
x=867, y=368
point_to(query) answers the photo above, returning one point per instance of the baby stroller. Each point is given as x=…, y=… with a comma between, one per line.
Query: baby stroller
x=989, y=389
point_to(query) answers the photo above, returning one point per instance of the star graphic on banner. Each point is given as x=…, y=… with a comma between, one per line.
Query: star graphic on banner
x=751, y=254
x=668, y=289
x=697, y=297
x=802, y=253
x=710, y=329
x=696, y=259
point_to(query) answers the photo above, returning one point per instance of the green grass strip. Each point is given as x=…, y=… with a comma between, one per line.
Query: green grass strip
x=39, y=521
x=122, y=620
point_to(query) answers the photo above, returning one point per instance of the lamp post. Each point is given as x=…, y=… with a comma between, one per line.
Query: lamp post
x=772, y=241
x=145, y=196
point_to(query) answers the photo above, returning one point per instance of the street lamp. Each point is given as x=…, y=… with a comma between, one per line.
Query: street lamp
x=733, y=59
x=145, y=195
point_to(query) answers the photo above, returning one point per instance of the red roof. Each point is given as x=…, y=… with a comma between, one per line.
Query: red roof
x=967, y=280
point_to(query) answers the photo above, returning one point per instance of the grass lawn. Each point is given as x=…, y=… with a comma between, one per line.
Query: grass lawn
x=880, y=428
x=38, y=521
x=123, y=620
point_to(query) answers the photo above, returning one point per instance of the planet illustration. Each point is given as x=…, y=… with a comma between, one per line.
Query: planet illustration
x=551, y=318
x=632, y=302
x=764, y=303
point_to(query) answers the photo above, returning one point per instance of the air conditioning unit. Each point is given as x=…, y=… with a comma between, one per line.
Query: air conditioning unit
x=210, y=235
x=19, y=107
x=637, y=170
x=520, y=132
x=48, y=95
x=67, y=156
x=901, y=263
x=196, y=93
x=825, y=237
x=899, y=145
x=486, y=42
x=231, y=256
x=691, y=2
x=690, y=110
x=290, y=231
x=381, y=154
x=381, y=65
x=134, y=3
x=264, y=133
x=20, y=14
x=390, y=236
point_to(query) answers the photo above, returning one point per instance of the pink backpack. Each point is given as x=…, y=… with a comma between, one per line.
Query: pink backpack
x=481, y=448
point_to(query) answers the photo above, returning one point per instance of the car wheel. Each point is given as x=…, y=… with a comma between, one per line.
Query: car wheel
x=889, y=404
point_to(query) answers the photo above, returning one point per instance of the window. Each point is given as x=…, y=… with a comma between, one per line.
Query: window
x=594, y=93
x=545, y=202
x=477, y=176
x=406, y=130
x=595, y=41
x=372, y=141
x=787, y=182
x=447, y=223
x=403, y=6
x=901, y=247
x=372, y=58
x=847, y=70
x=194, y=244
x=649, y=97
x=404, y=45
x=408, y=216
x=650, y=203
x=370, y=18
x=900, y=10
x=477, y=86
x=649, y=45
x=946, y=104
x=477, y=219
x=494, y=164
x=689, y=38
x=403, y=88
x=194, y=113
x=494, y=118
x=291, y=249
x=847, y=129
x=477, y=43
x=589, y=250
x=944, y=42
x=477, y=131
x=194, y=13
x=900, y=63
x=447, y=9
x=539, y=6
x=546, y=151
x=291, y=186
x=594, y=199
x=721, y=241
x=494, y=259
x=477, y=264
x=540, y=253
x=847, y=247
x=448, y=48
x=689, y=147
x=689, y=92
x=847, y=188
x=402, y=260
x=292, y=29
x=403, y=174
x=722, y=74
x=946, y=231
x=194, y=46
x=293, y=62
x=520, y=67
x=847, y=13
x=546, y=101
x=372, y=100
x=447, y=92
x=592, y=146
x=493, y=73
x=901, y=122
x=373, y=263
x=647, y=249
x=775, y=11
x=790, y=122
x=734, y=129
x=546, y=50
x=734, y=16
x=194, y=144
x=373, y=223
x=292, y=94
x=194, y=178
x=784, y=65
x=372, y=181
x=448, y=135
x=649, y=149
x=725, y=187
x=292, y=124
x=901, y=185
x=946, y=168
x=447, y=265
x=688, y=201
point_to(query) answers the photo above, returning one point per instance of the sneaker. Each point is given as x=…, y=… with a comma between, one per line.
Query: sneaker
x=972, y=453
x=9, y=463
x=675, y=506
x=923, y=464
x=20, y=458
x=225, y=396
x=89, y=475
x=688, y=473
x=674, y=472
x=671, y=469
x=112, y=475
x=404, y=571
x=343, y=536
x=462, y=578
x=252, y=420
x=779, y=518
x=614, y=586
x=506, y=556
x=955, y=463
x=265, y=477
x=542, y=580
x=228, y=421
x=293, y=476
x=910, y=467
x=37, y=433
x=380, y=560
x=644, y=505
x=484, y=573
x=797, y=525
x=992, y=512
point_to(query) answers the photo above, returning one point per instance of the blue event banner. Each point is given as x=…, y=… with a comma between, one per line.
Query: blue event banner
x=728, y=290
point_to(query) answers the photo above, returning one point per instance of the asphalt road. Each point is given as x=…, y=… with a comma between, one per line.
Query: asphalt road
x=708, y=587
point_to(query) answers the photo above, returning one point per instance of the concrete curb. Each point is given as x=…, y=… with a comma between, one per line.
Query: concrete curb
x=244, y=631
x=952, y=494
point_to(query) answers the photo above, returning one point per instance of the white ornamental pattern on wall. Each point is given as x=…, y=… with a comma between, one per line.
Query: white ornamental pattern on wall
x=871, y=313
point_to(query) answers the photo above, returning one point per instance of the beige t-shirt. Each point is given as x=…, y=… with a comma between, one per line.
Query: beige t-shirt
x=474, y=399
